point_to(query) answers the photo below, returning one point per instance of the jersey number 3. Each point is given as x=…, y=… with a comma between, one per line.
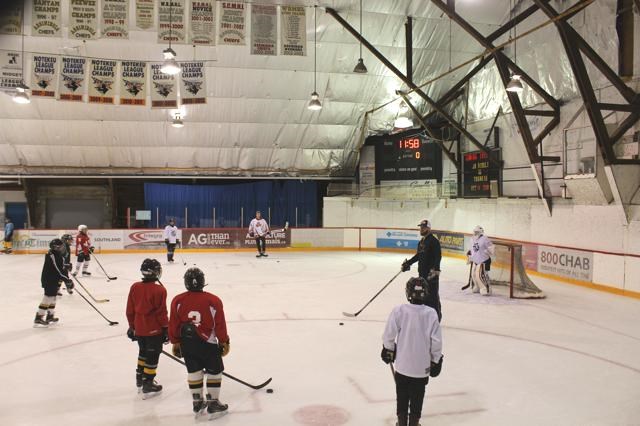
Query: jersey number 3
x=195, y=317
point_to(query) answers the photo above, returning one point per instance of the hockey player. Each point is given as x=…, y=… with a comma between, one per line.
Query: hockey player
x=259, y=229
x=52, y=274
x=480, y=256
x=171, y=238
x=8, y=235
x=198, y=331
x=412, y=338
x=83, y=251
x=428, y=256
x=148, y=323
x=67, y=267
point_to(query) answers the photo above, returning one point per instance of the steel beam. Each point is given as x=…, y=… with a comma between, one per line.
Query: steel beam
x=408, y=35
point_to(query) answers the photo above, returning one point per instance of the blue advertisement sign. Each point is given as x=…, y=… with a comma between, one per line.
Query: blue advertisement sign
x=397, y=239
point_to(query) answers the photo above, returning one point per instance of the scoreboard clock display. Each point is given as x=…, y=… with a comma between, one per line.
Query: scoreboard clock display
x=408, y=158
x=479, y=172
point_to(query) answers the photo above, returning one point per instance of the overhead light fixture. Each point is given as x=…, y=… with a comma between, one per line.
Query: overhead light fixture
x=403, y=123
x=360, y=68
x=21, y=98
x=22, y=90
x=314, y=103
x=170, y=66
x=515, y=85
x=22, y=87
x=177, y=121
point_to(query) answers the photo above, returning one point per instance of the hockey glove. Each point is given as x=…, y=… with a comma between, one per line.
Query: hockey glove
x=68, y=267
x=433, y=274
x=165, y=336
x=178, y=243
x=388, y=355
x=406, y=266
x=225, y=348
x=91, y=249
x=131, y=334
x=436, y=367
x=177, y=350
x=252, y=235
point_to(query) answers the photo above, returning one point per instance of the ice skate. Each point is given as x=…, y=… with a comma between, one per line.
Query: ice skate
x=39, y=321
x=216, y=409
x=139, y=382
x=51, y=319
x=199, y=406
x=263, y=254
x=86, y=274
x=150, y=388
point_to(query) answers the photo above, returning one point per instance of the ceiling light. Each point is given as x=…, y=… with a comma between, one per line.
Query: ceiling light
x=314, y=103
x=177, y=121
x=21, y=98
x=403, y=123
x=515, y=85
x=170, y=65
x=22, y=87
x=360, y=68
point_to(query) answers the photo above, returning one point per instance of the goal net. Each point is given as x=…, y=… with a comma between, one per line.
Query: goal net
x=507, y=268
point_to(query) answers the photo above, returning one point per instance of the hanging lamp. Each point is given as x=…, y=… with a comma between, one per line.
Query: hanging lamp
x=170, y=65
x=314, y=103
x=360, y=68
x=22, y=90
x=514, y=85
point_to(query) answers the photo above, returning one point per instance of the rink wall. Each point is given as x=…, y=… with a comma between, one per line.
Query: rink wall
x=613, y=272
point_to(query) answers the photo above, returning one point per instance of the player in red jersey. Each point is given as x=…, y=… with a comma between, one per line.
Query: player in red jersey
x=83, y=250
x=198, y=331
x=148, y=322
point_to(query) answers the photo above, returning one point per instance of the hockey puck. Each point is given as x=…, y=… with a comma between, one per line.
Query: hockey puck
x=341, y=323
x=269, y=390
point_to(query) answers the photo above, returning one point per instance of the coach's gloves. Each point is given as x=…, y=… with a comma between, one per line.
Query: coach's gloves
x=433, y=274
x=177, y=350
x=68, y=283
x=405, y=266
x=165, y=335
x=131, y=334
x=387, y=355
x=436, y=367
x=91, y=249
x=225, y=348
x=251, y=234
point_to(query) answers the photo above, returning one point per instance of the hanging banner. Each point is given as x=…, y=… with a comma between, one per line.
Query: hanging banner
x=115, y=18
x=164, y=93
x=232, y=23
x=202, y=19
x=171, y=21
x=44, y=76
x=102, y=88
x=133, y=83
x=294, y=31
x=10, y=70
x=145, y=14
x=45, y=18
x=11, y=19
x=193, y=89
x=264, y=29
x=83, y=19
x=72, y=79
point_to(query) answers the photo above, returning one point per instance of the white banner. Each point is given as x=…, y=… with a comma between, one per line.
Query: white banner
x=164, y=91
x=193, y=86
x=11, y=19
x=102, y=88
x=83, y=19
x=232, y=28
x=45, y=18
x=264, y=29
x=171, y=21
x=202, y=20
x=294, y=31
x=566, y=262
x=145, y=238
x=115, y=18
x=10, y=70
x=44, y=76
x=72, y=79
x=133, y=83
x=145, y=14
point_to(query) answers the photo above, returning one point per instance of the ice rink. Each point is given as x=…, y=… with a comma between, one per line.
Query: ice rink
x=570, y=359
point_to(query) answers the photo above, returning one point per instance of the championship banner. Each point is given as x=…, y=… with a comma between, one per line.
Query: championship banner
x=11, y=20
x=202, y=20
x=45, y=18
x=102, y=88
x=83, y=19
x=171, y=10
x=294, y=31
x=145, y=14
x=163, y=88
x=133, y=83
x=115, y=18
x=232, y=29
x=264, y=29
x=44, y=76
x=10, y=70
x=193, y=88
x=72, y=79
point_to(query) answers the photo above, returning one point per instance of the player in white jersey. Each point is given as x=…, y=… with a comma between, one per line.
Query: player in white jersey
x=412, y=338
x=259, y=229
x=171, y=238
x=480, y=255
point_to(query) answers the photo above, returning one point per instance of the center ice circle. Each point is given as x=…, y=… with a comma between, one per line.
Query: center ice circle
x=321, y=415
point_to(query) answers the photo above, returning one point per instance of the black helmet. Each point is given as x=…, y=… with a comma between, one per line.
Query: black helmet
x=66, y=237
x=417, y=290
x=57, y=245
x=194, y=279
x=151, y=270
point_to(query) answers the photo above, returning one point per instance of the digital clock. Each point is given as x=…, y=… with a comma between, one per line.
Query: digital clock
x=407, y=158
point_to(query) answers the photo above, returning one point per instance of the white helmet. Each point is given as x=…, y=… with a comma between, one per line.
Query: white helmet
x=478, y=230
x=82, y=228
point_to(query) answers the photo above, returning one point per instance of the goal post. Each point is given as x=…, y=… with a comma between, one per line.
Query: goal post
x=508, y=269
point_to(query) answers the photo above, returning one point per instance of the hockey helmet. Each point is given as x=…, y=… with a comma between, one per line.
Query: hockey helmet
x=417, y=290
x=82, y=228
x=478, y=230
x=172, y=221
x=151, y=270
x=194, y=279
x=57, y=246
x=66, y=238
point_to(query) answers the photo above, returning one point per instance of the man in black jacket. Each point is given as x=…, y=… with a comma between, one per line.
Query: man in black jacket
x=428, y=257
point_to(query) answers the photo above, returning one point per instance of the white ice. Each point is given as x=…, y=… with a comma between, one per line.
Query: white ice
x=570, y=359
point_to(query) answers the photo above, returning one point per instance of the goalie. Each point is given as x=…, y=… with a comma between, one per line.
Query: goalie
x=480, y=256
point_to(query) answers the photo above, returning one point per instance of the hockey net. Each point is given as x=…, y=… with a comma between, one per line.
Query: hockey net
x=508, y=269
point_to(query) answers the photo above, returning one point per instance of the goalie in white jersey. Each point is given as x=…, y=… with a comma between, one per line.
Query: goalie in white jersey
x=412, y=338
x=480, y=255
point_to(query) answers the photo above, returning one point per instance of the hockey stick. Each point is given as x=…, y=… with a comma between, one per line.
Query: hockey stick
x=470, y=280
x=101, y=314
x=286, y=228
x=88, y=293
x=347, y=314
x=105, y=272
x=260, y=386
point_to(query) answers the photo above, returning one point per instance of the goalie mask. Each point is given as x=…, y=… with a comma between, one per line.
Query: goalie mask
x=56, y=245
x=194, y=279
x=478, y=230
x=151, y=270
x=417, y=290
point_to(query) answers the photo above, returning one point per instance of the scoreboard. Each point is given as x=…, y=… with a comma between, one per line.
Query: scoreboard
x=479, y=172
x=408, y=158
